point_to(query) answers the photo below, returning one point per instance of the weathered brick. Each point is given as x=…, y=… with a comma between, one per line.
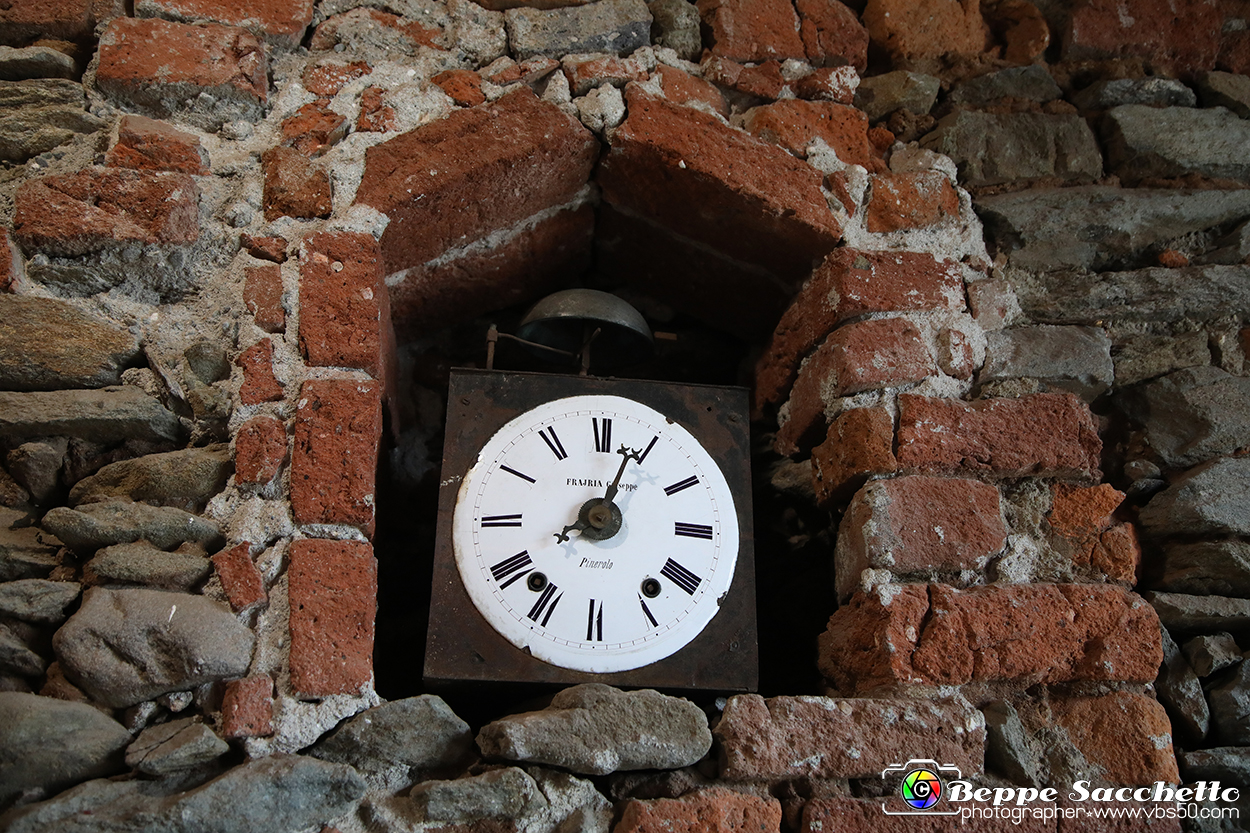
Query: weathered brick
x=1139, y=749
x=1039, y=435
x=832, y=34
x=280, y=22
x=259, y=450
x=247, y=708
x=864, y=355
x=441, y=184
x=242, y=582
x=915, y=34
x=100, y=208
x=859, y=815
x=338, y=426
x=795, y=125
x=294, y=186
x=1021, y=27
x=860, y=442
x=910, y=201
x=683, y=88
x=714, y=810
x=376, y=116
x=1078, y=515
x=149, y=145
x=259, y=383
x=333, y=586
x=1179, y=36
x=313, y=128
x=918, y=524
x=1020, y=634
x=403, y=35
x=22, y=22
x=837, y=84
x=464, y=86
x=1117, y=554
x=272, y=249
x=10, y=262
x=326, y=78
x=850, y=283
x=530, y=71
x=262, y=293
x=166, y=68
x=824, y=737
x=752, y=31
x=585, y=72
x=761, y=81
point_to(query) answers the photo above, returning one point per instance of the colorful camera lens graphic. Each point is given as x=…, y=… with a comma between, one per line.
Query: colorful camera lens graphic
x=921, y=789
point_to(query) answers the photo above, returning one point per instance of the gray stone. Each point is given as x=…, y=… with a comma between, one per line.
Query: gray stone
x=1100, y=227
x=1229, y=764
x=615, y=26
x=1184, y=614
x=1156, y=294
x=1155, y=92
x=1008, y=747
x=991, y=149
x=1028, y=83
x=1178, y=689
x=675, y=24
x=37, y=466
x=1224, y=89
x=881, y=95
x=1211, y=499
x=593, y=729
x=207, y=361
x=128, y=645
x=1207, y=568
x=1209, y=654
x=174, y=747
x=194, y=474
x=1230, y=708
x=28, y=552
x=1146, y=141
x=142, y=563
x=499, y=794
x=1077, y=359
x=108, y=415
x=95, y=525
x=278, y=794
x=421, y=734
x=1232, y=249
x=478, y=33
x=35, y=62
x=1192, y=415
x=41, y=115
x=88, y=351
x=1141, y=356
x=37, y=599
x=17, y=656
x=48, y=744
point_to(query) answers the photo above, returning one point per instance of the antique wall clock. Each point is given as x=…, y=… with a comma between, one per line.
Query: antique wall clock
x=593, y=529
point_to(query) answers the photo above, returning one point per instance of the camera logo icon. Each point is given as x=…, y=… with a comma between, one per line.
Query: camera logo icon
x=922, y=788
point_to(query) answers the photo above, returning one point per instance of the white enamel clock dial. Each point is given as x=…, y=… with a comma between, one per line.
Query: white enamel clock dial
x=622, y=601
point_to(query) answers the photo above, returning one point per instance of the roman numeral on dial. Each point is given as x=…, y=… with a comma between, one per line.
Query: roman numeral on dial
x=646, y=611
x=518, y=474
x=691, y=530
x=680, y=576
x=594, y=621
x=546, y=605
x=501, y=520
x=516, y=566
x=647, y=450
x=603, y=434
x=680, y=485
x=553, y=442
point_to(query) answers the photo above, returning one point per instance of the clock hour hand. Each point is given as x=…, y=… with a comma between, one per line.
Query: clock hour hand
x=563, y=535
x=627, y=454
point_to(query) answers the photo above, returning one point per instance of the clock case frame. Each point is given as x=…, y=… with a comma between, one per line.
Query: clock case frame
x=461, y=647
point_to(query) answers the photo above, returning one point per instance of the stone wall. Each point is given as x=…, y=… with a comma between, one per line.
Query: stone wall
x=985, y=266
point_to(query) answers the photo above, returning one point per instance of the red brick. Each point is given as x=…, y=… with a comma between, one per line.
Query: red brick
x=916, y=34
x=752, y=31
x=326, y=78
x=880, y=138
x=149, y=145
x=683, y=88
x=247, y=708
x=464, y=86
x=1021, y=634
x=333, y=587
x=832, y=34
x=1137, y=752
x=858, y=815
x=338, y=426
x=908, y=201
x=28, y=20
x=414, y=34
x=314, y=128
x=668, y=163
x=264, y=248
x=795, y=124
x=1176, y=36
x=956, y=357
x=848, y=284
x=440, y=184
x=344, y=308
x=529, y=71
x=245, y=589
x=148, y=63
x=865, y=355
x=823, y=737
x=1039, y=435
x=1080, y=514
x=1234, y=50
x=97, y=208
x=714, y=810
x=837, y=84
x=1117, y=555
x=259, y=450
x=376, y=116
x=860, y=442
x=259, y=383
x=918, y=524
x=294, y=185
x=1021, y=27
x=762, y=81
x=262, y=293
x=278, y=21
x=586, y=73
x=1172, y=259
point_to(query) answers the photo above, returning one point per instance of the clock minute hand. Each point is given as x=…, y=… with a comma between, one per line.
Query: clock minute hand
x=627, y=454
